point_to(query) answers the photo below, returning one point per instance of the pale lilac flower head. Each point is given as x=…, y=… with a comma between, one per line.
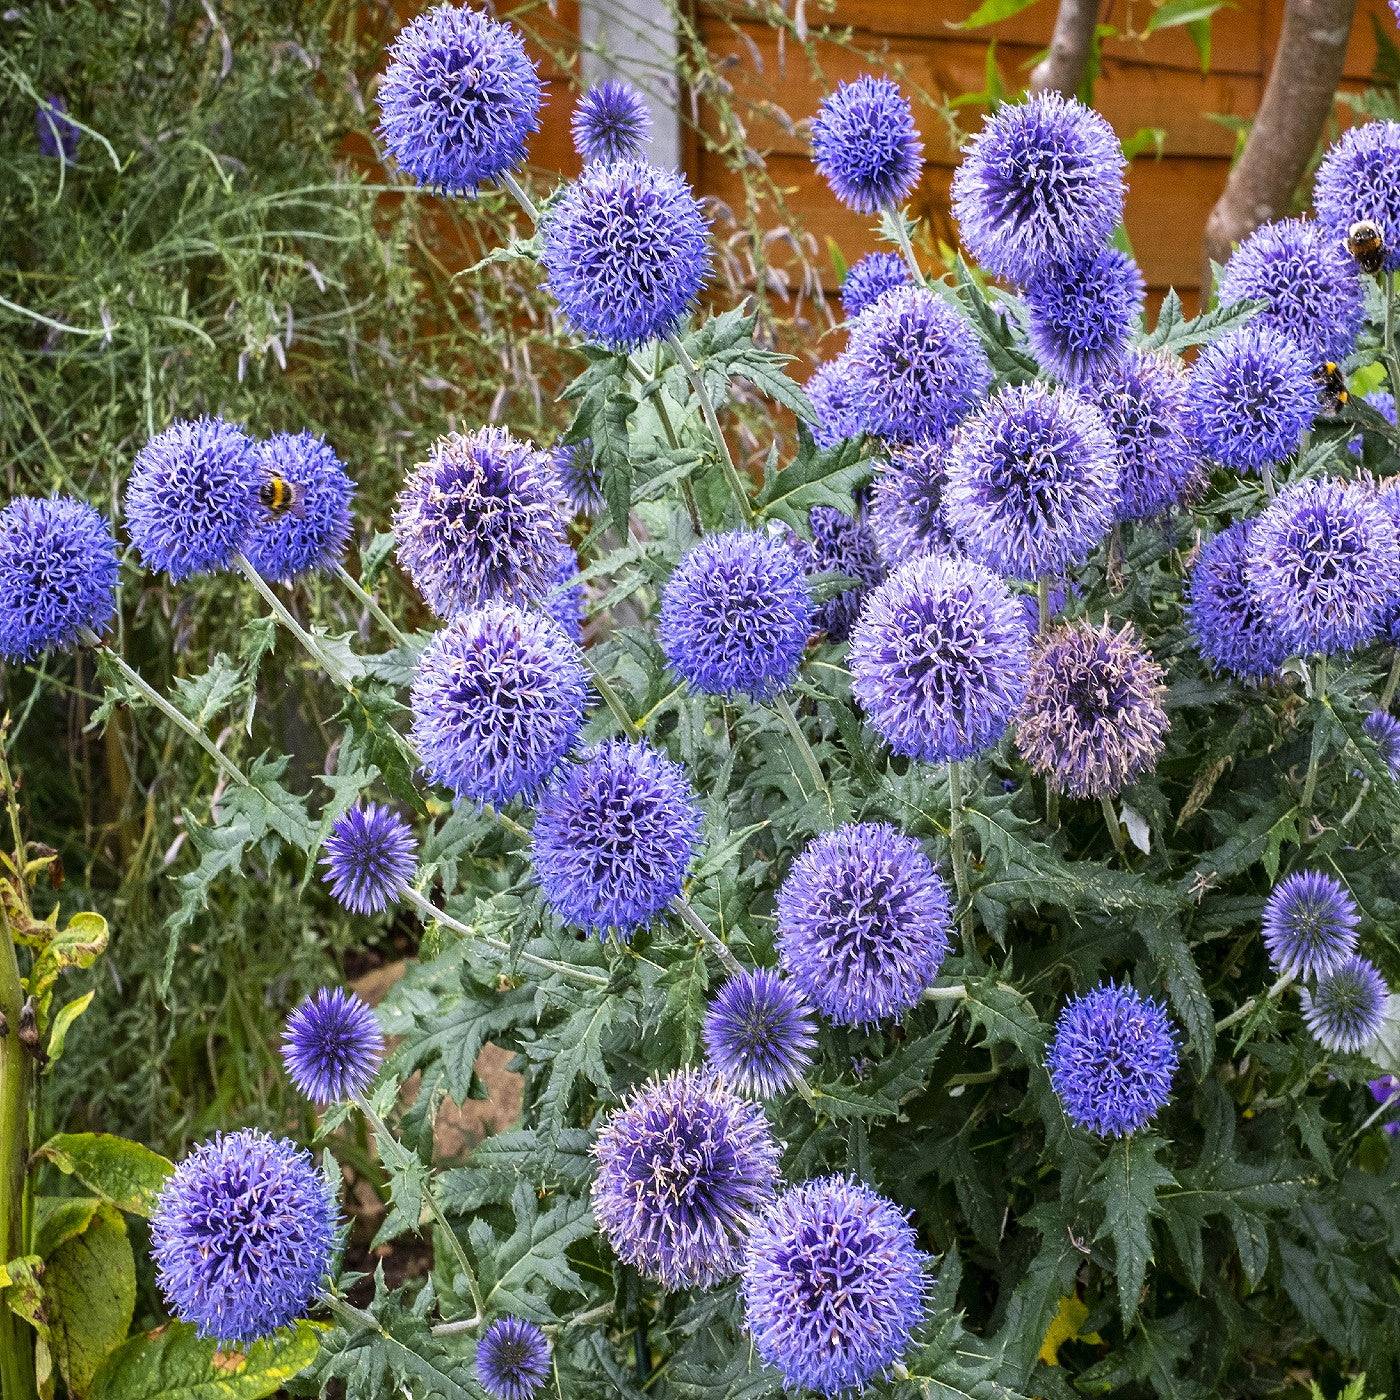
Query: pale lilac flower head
x=1345, y=1008
x=1310, y=924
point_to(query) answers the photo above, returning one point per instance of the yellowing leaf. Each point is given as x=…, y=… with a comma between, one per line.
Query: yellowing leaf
x=1065, y=1328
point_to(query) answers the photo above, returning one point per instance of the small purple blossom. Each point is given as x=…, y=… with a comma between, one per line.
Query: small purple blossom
x=1359, y=178
x=1232, y=629
x=369, y=858
x=332, y=1046
x=866, y=146
x=906, y=509
x=612, y=122
x=1082, y=314
x=832, y=392
x=1310, y=924
x=312, y=534
x=759, y=1033
x=512, y=1359
x=581, y=476
x=1345, y=1009
x=843, y=544
x=869, y=279
x=1384, y=731
x=1386, y=1089
x=57, y=133
x=564, y=599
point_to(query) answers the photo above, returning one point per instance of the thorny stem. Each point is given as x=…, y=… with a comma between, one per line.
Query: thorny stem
x=959, y=849
x=1241, y=1012
x=378, y=613
x=1310, y=782
x=697, y=387
x=905, y=247
x=1115, y=827
x=689, y=917
x=1391, y=681
x=785, y=713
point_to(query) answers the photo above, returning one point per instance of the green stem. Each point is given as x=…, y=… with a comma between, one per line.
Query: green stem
x=658, y=402
x=378, y=613
x=610, y=697
x=1115, y=827
x=1320, y=694
x=312, y=647
x=956, y=992
x=902, y=238
x=785, y=713
x=708, y=937
x=959, y=849
x=348, y=1314
x=1391, y=681
x=512, y=186
x=1390, y=350
x=1052, y=798
x=707, y=407
x=1269, y=490
x=1240, y=1013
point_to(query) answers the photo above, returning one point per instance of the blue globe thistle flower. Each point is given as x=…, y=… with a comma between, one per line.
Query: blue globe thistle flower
x=242, y=1235
x=832, y=393
x=1384, y=731
x=57, y=134
x=906, y=507
x=938, y=659
x=1232, y=628
x=482, y=518
x=1383, y=401
x=512, y=1359
x=1387, y=1087
x=1031, y=482
x=1041, y=184
x=866, y=146
x=581, y=476
x=612, y=122
x=916, y=366
x=736, y=615
x=1359, y=178
x=759, y=1033
x=1145, y=402
x=564, y=600
x=614, y=837
x=834, y=1285
x=192, y=497
x=498, y=700
x=627, y=248
x=864, y=923
x=312, y=533
x=844, y=545
x=1252, y=398
x=1082, y=314
x=1112, y=1059
x=1325, y=564
x=369, y=858
x=1308, y=282
x=459, y=99
x=332, y=1046
x=1092, y=721
x=1310, y=923
x=684, y=1168
x=868, y=279
x=1345, y=1009
x=58, y=574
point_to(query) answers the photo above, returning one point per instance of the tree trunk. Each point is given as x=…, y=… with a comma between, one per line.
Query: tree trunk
x=1064, y=67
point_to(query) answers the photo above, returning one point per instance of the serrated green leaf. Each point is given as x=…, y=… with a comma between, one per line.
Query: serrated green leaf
x=1126, y=1187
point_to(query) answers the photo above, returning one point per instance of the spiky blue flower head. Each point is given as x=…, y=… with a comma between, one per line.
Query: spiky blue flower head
x=1232, y=628
x=1252, y=398
x=498, y=699
x=869, y=279
x=459, y=99
x=1031, y=482
x=1325, y=564
x=1082, y=314
x=864, y=922
x=242, y=1235
x=612, y=122
x=313, y=534
x=1112, y=1059
x=834, y=1285
x=759, y=1033
x=916, y=366
x=332, y=1046
x=58, y=574
x=564, y=600
x=1345, y=1008
x=369, y=858
x=736, y=615
x=906, y=507
x=1383, y=401
x=938, y=658
x=1310, y=924
x=1092, y=721
x=832, y=393
x=627, y=248
x=843, y=544
x=1308, y=282
x=1145, y=402
x=192, y=497
x=684, y=1169
x=56, y=132
x=866, y=146
x=1042, y=183
x=581, y=476
x=482, y=517
x=512, y=1359
x=1384, y=731
x=1359, y=178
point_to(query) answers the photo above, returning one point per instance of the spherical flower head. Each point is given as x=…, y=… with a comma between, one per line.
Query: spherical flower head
x=1082, y=314
x=1145, y=402
x=1112, y=1059
x=1032, y=482
x=864, y=923
x=1383, y=401
x=332, y=1046
x=869, y=279
x=614, y=837
x=564, y=600
x=684, y=1169
x=1252, y=398
x=242, y=1235
x=759, y=1033
x=830, y=389
x=58, y=136
x=736, y=615
x=482, y=518
x=833, y=1285
x=1232, y=628
x=1384, y=731
x=369, y=858
x=1308, y=282
x=916, y=366
x=58, y=574
x=1041, y=184
x=512, y=1359
x=1092, y=721
x=906, y=508
x=192, y=497
x=1310, y=923
x=1359, y=178
x=581, y=476
x=1345, y=1010
x=612, y=122
x=627, y=249
x=842, y=544
x=499, y=699
x=938, y=659
x=866, y=146
x=1326, y=562
x=312, y=532
x=459, y=99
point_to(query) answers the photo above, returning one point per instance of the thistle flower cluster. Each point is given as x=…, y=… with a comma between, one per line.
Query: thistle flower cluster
x=1345, y=1008
x=612, y=122
x=832, y=393
x=512, y=1359
x=1232, y=629
x=906, y=505
x=1310, y=924
x=866, y=146
x=869, y=278
x=759, y=1033
x=1082, y=313
x=843, y=544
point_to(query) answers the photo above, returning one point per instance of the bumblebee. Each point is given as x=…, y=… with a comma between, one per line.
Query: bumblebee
x=1366, y=244
x=1331, y=387
x=282, y=497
